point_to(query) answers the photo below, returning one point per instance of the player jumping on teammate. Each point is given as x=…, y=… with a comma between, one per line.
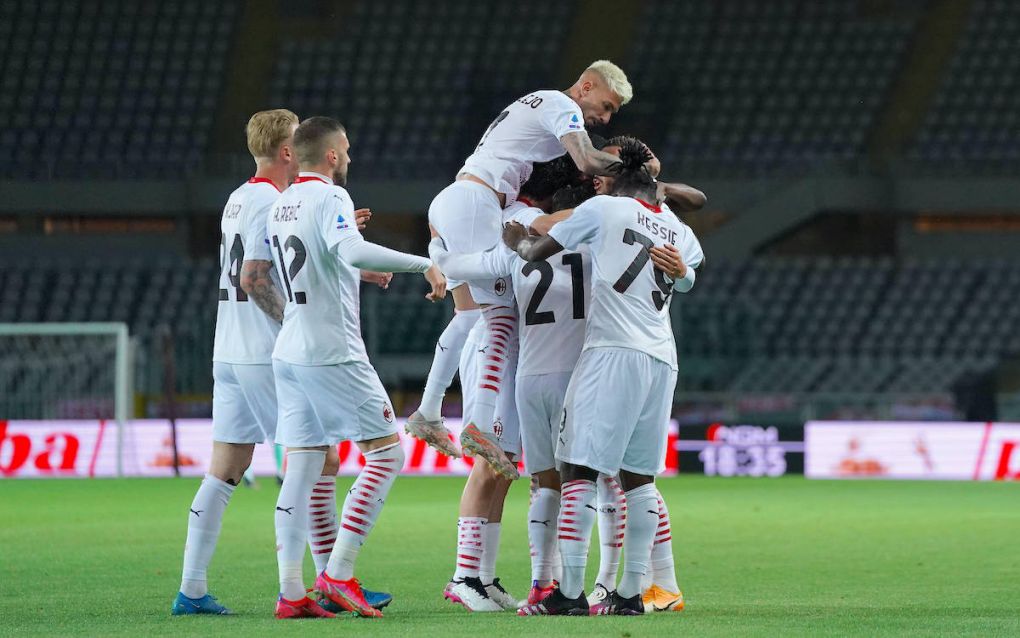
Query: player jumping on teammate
x=468, y=215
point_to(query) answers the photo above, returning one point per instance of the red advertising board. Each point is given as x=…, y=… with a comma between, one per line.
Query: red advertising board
x=81, y=449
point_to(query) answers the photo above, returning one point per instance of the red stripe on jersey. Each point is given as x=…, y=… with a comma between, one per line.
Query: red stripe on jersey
x=264, y=180
x=309, y=178
x=654, y=209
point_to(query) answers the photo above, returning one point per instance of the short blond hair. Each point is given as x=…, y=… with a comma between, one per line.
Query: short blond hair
x=615, y=79
x=266, y=130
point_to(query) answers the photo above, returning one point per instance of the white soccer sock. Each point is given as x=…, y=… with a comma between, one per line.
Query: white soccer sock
x=490, y=551
x=445, y=362
x=322, y=523
x=204, y=521
x=362, y=507
x=612, y=519
x=496, y=346
x=542, y=522
x=577, y=517
x=663, y=571
x=642, y=521
x=470, y=546
x=303, y=468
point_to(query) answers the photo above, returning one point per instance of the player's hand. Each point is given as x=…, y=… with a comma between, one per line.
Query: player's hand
x=513, y=234
x=438, y=282
x=361, y=217
x=381, y=279
x=667, y=259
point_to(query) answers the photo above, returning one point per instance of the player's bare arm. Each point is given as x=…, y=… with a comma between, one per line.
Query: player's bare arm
x=543, y=224
x=257, y=283
x=528, y=247
x=681, y=197
x=589, y=159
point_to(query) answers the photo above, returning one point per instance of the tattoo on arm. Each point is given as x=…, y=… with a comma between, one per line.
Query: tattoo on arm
x=257, y=281
x=588, y=159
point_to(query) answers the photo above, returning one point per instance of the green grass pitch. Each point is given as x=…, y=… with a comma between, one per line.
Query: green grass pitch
x=756, y=557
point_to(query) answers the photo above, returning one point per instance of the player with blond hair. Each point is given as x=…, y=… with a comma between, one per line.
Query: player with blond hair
x=247, y=321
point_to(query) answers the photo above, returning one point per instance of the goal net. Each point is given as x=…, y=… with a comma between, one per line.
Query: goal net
x=64, y=371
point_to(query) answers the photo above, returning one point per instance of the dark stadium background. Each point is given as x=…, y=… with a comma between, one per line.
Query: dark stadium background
x=860, y=159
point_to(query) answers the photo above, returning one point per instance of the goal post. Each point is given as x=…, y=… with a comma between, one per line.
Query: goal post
x=35, y=381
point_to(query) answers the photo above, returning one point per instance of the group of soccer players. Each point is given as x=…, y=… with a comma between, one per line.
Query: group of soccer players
x=561, y=260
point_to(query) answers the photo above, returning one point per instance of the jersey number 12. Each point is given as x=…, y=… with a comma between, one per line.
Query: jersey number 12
x=288, y=273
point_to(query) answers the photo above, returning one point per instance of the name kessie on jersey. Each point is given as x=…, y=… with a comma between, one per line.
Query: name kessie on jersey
x=658, y=231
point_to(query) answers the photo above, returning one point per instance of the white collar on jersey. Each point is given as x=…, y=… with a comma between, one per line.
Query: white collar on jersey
x=318, y=175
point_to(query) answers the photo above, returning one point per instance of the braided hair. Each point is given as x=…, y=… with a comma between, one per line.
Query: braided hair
x=631, y=176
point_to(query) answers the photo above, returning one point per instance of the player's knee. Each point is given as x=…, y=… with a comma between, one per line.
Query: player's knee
x=230, y=460
x=331, y=465
x=630, y=481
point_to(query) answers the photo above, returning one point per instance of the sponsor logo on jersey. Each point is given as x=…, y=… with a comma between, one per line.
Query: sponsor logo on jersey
x=497, y=427
x=340, y=223
x=574, y=122
x=387, y=413
x=500, y=287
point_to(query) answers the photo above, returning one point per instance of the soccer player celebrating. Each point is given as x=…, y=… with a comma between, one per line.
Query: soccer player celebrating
x=617, y=406
x=468, y=215
x=474, y=584
x=661, y=592
x=244, y=399
x=326, y=387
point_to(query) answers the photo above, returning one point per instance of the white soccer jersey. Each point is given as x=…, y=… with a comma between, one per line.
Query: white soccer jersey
x=244, y=334
x=527, y=131
x=552, y=297
x=630, y=297
x=321, y=321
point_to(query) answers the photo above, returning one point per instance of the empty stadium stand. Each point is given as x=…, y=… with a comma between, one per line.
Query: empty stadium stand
x=751, y=87
x=111, y=88
x=419, y=114
x=975, y=116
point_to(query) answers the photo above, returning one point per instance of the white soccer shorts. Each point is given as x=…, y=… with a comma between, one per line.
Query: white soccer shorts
x=324, y=405
x=244, y=403
x=616, y=412
x=540, y=404
x=468, y=218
